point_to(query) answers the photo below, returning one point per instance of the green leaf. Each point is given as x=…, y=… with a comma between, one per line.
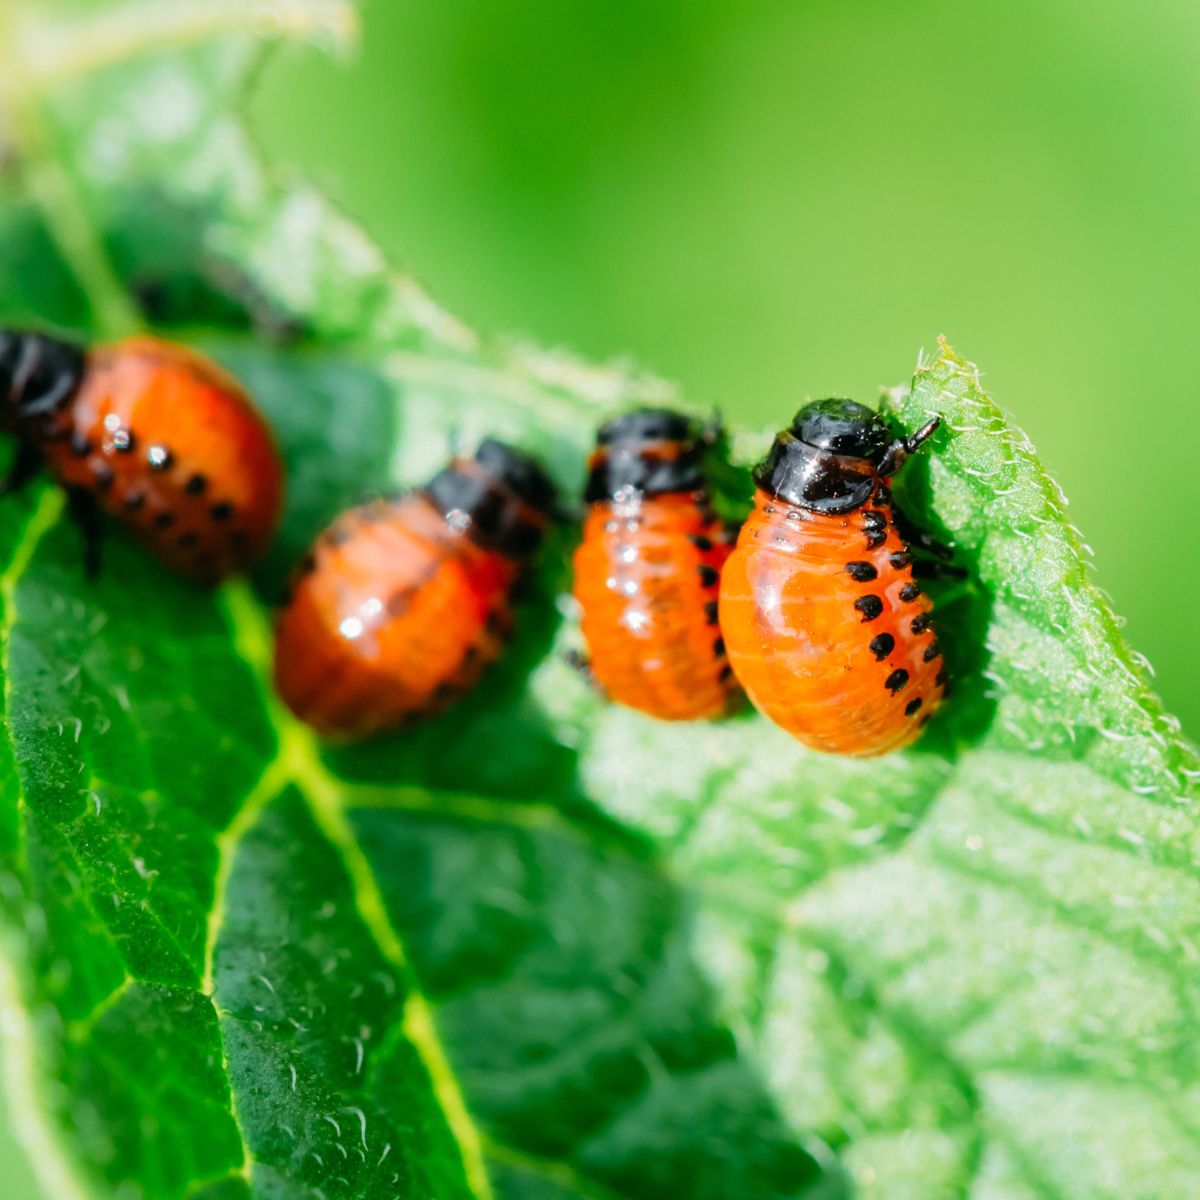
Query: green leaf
x=541, y=948
x=239, y=971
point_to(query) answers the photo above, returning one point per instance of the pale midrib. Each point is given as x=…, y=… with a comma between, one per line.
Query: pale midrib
x=298, y=763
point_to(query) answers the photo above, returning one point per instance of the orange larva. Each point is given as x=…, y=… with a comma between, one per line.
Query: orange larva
x=152, y=433
x=826, y=628
x=404, y=602
x=647, y=570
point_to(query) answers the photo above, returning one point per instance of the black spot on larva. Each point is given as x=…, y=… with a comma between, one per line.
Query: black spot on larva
x=896, y=680
x=909, y=592
x=221, y=511
x=769, y=509
x=189, y=539
x=159, y=458
x=924, y=721
x=703, y=544
x=882, y=646
x=719, y=647
x=869, y=606
x=862, y=572
x=307, y=565
x=102, y=474
x=920, y=623
x=883, y=496
x=134, y=500
x=80, y=446
x=711, y=612
x=725, y=673
x=931, y=651
x=912, y=707
x=874, y=520
x=195, y=485
x=708, y=576
x=875, y=538
x=901, y=561
x=941, y=678
x=447, y=692
x=123, y=441
x=164, y=520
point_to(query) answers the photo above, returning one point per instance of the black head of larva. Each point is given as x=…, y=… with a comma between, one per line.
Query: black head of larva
x=650, y=451
x=38, y=374
x=502, y=498
x=843, y=427
x=833, y=454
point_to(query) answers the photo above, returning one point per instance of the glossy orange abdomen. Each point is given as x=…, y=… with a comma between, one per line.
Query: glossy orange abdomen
x=828, y=633
x=397, y=616
x=403, y=603
x=646, y=576
x=826, y=628
x=648, y=567
x=171, y=445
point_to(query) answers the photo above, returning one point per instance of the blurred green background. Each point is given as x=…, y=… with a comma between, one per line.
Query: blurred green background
x=775, y=198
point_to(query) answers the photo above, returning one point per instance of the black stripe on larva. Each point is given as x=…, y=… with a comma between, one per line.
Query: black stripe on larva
x=875, y=538
x=874, y=520
x=901, y=561
x=912, y=707
x=703, y=544
x=195, y=485
x=164, y=520
x=861, y=572
x=80, y=446
x=869, y=606
x=931, y=651
x=882, y=646
x=896, y=680
x=719, y=647
x=920, y=623
x=159, y=458
x=711, y=612
x=123, y=441
x=909, y=592
x=940, y=680
x=725, y=673
x=221, y=511
x=708, y=576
